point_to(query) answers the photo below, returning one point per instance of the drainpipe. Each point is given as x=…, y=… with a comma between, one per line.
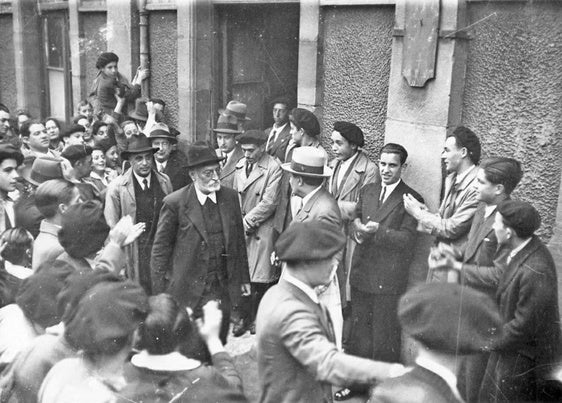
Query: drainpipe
x=143, y=44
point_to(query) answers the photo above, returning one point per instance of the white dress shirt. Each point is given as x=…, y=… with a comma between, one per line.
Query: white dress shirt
x=202, y=197
x=140, y=180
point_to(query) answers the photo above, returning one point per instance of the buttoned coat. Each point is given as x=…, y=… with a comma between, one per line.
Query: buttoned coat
x=381, y=262
x=120, y=201
x=297, y=358
x=259, y=196
x=180, y=252
x=229, y=168
x=528, y=301
x=417, y=386
x=279, y=147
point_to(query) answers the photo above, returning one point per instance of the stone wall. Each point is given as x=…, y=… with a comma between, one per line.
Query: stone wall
x=8, y=75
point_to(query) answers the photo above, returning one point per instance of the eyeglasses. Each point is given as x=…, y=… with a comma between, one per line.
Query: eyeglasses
x=210, y=173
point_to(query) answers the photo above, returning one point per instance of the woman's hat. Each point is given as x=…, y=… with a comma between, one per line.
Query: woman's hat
x=138, y=144
x=308, y=161
x=236, y=109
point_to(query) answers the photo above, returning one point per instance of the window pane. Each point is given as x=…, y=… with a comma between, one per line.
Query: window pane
x=55, y=47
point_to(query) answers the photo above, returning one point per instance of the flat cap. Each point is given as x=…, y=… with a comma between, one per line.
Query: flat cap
x=521, y=216
x=257, y=137
x=76, y=152
x=449, y=318
x=306, y=120
x=97, y=322
x=313, y=240
x=350, y=132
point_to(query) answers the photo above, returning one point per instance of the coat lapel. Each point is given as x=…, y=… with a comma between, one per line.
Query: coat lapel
x=282, y=139
x=224, y=208
x=512, y=268
x=230, y=165
x=484, y=228
x=393, y=200
x=305, y=210
x=257, y=172
x=356, y=172
x=194, y=212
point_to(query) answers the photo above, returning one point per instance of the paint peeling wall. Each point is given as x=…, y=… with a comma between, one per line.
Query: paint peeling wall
x=513, y=94
x=8, y=76
x=356, y=44
x=163, y=59
x=93, y=42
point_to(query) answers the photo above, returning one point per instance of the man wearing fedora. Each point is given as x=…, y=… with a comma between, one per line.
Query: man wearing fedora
x=257, y=180
x=307, y=173
x=138, y=193
x=228, y=148
x=169, y=160
x=237, y=110
x=298, y=360
x=199, y=251
x=279, y=134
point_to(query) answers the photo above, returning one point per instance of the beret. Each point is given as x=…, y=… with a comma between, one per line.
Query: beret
x=105, y=58
x=313, y=240
x=521, y=216
x=76, y=152
x=350, y=132
x=257, y=137
x=83, y=229
x=37, y=295
x=77, y=284
x=96, y=322
x=306, y=120
x=449, y=318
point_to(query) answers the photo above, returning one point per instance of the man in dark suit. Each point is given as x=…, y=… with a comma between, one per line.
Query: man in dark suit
x=497, y=177
x=279, y=135
x=298, y=360
x=169, y=161
x=444, y=321
x=199, y=251
x=228, y=148
x=385, y=235
x=527, y=296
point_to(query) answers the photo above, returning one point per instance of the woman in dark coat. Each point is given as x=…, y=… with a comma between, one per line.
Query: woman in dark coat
x=160, y=373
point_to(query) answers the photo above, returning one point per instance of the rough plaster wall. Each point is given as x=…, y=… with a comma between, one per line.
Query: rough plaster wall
x=513, y=94
x=8, y=75
x=356, y=61
x=163, y=68
x=93, y=41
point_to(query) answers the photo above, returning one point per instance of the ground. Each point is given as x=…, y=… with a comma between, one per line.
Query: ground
x=242, y=349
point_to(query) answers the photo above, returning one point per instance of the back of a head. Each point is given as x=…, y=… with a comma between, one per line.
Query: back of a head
x=464, y=137
x=165, y=327
x=521, y=216
x=503, y=171
x=19, y=244
x=51, y=194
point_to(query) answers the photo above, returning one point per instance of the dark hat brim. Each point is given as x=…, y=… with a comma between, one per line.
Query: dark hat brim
x=228, y=131
x=231, y=113
x=126, y=153
x=163, y=136
x=326, y=174
x=207, y=161
x=134, y=115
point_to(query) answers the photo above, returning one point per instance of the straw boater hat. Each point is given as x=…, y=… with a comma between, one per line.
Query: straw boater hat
x=236, y=109
x=308, y=161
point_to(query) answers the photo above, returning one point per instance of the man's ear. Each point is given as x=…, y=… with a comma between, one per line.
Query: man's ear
x=25, y=140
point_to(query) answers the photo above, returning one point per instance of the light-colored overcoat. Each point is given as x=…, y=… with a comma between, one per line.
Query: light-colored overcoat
x=259, y=196
x=229, y=168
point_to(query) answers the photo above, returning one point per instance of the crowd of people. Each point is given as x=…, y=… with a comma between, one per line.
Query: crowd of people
x=126, y=263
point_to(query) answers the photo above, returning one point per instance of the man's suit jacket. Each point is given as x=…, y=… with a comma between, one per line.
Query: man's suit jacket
x=180, y=253
x=321, y=206
x=120, y=201
x=176, y=169
x=297, y=358
x=279, y=147
x=417, y=386
x=229, y=168
x=381, y=262
x=259, y=195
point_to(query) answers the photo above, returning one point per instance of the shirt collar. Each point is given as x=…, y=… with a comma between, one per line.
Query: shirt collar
x=49, y=228
x=162, y=164
x=390, y=188
x=460, y=177
x=447, y=375
x=309, y=291
x=141, y=178
x=173, y=361
x=489, y=210
x=518, y=249
x=202, y=197
x=345, y=164
x=306, y=198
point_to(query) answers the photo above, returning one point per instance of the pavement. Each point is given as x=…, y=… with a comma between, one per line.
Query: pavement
x=242, y=350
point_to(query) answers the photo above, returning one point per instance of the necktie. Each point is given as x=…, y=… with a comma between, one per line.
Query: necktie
x=144, y=184
x=383, y=194
x=223, y=162
x=249, y=167
x=160, y=168
x=271, y=140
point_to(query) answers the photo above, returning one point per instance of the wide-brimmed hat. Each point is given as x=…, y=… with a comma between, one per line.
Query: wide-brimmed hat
x=200, y=153
x=140, y=112
x=161, y=131
x=42, y=170
x=227, y=124
x=308, y=161
x=138, y=144
x=236, y=109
